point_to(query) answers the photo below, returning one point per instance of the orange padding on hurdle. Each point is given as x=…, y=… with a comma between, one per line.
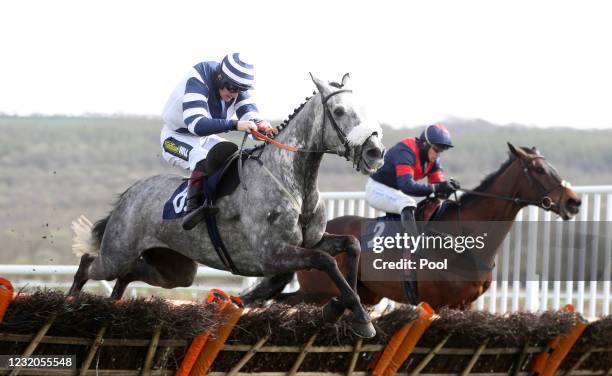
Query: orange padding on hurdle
x=6, y=296
x=403, y=342
x=547, y=362
x=191, y=363
x=231, y=314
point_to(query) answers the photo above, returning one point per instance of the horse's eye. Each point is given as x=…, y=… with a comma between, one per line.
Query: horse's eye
x=540, y=170
x=339, y=111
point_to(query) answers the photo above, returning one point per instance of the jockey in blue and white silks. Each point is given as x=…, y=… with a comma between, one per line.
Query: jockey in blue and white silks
x=203, y=105
x=392, y=186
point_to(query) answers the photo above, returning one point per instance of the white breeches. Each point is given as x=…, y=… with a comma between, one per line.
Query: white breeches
x=185, y=150
x=387, y=199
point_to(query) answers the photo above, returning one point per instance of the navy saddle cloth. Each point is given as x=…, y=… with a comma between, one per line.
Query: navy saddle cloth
x=221, y=183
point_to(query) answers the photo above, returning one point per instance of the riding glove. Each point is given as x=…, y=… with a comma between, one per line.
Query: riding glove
x=445, y=188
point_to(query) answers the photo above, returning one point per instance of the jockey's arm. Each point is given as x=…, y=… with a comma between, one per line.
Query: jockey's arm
x=246, y=110
x=435, y=175
x=407, y=184
x=404, y=174
x=196, y=114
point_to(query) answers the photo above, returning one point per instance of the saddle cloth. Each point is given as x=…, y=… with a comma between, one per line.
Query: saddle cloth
x=221, y=183
x=429, y=209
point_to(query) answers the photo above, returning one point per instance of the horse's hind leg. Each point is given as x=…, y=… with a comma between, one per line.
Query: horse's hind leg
x=158, y=267
x=82, y=275
x=120, y=285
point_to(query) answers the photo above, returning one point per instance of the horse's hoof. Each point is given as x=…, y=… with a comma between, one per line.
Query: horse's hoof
x=333, y=310
x=363, y=329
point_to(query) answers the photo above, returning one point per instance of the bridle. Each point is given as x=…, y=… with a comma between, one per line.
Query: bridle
x=545, y=202
x=346, y=153
x=326, y=114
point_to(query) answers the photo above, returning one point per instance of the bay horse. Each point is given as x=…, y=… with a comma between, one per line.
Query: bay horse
x=274, y=226
x=526, y=178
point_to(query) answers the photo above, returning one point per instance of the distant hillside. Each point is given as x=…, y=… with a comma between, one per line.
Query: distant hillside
x=53, y=169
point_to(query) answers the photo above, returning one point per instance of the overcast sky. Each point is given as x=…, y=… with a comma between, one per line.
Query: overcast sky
x=544, y=63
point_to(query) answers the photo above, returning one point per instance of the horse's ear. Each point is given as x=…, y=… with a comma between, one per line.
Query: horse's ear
x=518, y=152
x=321, y=85
x=346, y=80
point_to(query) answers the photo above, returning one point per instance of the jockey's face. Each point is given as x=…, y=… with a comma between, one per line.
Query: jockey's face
x=227, y=95
x=434, y=153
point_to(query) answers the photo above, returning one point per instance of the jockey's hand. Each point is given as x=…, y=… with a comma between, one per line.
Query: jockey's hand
x=246, y=126
x=454, y=183
x=264, y=126
x=444, y=189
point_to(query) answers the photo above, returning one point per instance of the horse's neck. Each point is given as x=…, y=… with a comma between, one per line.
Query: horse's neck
x=503, y=212
x=482, y=208
x=298, y=171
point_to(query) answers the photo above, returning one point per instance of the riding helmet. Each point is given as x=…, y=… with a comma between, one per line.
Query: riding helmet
x=235, y=72
x=437, y=134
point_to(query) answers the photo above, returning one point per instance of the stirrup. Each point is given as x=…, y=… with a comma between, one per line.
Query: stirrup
x=198, y=215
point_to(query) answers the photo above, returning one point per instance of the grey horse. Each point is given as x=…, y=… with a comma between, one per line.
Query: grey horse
x=273, y=228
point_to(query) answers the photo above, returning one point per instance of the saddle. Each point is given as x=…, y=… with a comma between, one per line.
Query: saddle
x=428, y=209
x=221, y=167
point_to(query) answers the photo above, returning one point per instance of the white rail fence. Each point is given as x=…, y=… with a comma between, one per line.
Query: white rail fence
x=590, y=297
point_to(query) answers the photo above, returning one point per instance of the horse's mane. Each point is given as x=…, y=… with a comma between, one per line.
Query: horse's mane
x=296, y=111
x=299, y=108
x=488, y=180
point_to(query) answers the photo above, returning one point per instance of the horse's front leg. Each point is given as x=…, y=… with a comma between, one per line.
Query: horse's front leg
x=291, y=258
x=335, y=244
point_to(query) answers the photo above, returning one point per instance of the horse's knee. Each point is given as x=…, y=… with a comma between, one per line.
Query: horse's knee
x=323, y=261
x=353, y=248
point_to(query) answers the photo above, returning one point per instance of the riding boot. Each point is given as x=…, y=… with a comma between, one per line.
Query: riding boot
x=196, y=208
x=410, y=278
x=408, y=221
x=195, y=189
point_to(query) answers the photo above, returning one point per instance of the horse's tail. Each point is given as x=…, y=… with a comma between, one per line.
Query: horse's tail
x=87, y=236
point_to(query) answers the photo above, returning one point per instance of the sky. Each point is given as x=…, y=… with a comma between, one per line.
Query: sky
x=542, y=63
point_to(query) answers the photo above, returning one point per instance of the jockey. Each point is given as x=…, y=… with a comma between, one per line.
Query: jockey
x=391, y=187
x=202, y=106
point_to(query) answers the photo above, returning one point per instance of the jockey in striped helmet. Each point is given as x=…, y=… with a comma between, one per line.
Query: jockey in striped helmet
x=235, y=74
x=203, y=105
x=392, y=187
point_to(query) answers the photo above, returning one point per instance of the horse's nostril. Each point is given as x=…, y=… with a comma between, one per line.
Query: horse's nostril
x=575, y=202
x=374, y=153
x=573, y=205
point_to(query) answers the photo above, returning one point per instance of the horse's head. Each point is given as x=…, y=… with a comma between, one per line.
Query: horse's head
x=541, y=184
x=346, y=130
